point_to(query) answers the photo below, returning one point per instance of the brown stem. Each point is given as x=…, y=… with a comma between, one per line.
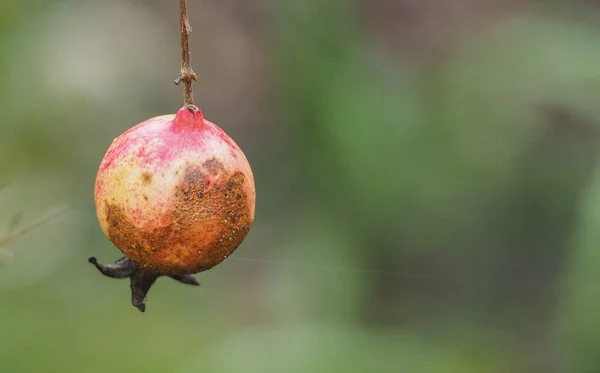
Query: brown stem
x=186, y=75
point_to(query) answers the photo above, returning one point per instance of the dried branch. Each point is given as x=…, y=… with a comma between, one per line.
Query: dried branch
x=186, y=75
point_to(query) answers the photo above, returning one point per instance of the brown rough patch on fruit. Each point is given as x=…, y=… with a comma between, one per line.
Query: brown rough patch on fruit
x=146, y=178
x=213, y=166
x=207, y=225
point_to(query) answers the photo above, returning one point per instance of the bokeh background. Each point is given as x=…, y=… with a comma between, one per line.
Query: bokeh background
x=427, y=173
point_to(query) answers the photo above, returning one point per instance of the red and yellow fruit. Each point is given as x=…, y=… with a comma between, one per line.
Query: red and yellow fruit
x=175, y=194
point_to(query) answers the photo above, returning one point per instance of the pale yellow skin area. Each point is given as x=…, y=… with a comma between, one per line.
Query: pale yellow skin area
x=148, y=201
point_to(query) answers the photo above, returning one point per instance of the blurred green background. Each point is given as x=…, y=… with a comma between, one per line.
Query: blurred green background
x=427, y=178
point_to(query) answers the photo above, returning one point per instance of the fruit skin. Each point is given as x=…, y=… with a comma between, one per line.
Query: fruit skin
x=175, y=194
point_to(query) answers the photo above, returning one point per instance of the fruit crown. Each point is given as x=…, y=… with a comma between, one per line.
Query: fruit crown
x=188, y=117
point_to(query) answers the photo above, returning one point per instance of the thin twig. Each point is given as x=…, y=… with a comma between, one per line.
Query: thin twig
x=43, y=221
x=186, y=75
x=15, y=233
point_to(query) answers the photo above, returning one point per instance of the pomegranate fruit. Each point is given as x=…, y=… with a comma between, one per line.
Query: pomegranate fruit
x=176, y=195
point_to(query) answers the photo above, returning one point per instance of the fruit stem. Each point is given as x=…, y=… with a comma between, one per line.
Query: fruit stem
x=186, y=75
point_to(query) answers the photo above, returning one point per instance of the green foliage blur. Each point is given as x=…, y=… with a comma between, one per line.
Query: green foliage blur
x=428, y=190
